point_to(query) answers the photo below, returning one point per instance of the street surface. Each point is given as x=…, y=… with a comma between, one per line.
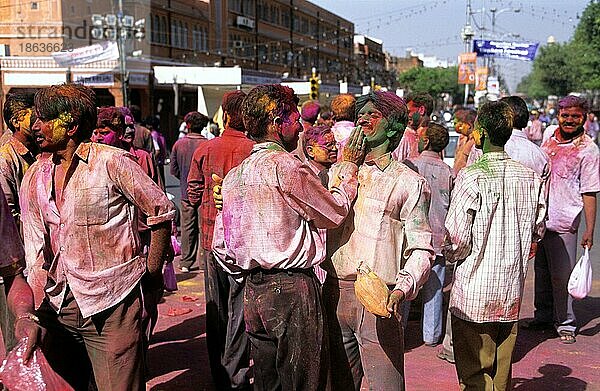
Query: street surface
x=178, y=358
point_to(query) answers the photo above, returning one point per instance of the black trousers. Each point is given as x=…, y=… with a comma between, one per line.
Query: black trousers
x=226, y=339
x=284, y=320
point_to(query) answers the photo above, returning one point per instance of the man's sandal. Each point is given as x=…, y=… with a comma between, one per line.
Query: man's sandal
x=567, y=337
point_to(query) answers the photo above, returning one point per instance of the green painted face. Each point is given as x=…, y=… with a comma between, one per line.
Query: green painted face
x=373, y=125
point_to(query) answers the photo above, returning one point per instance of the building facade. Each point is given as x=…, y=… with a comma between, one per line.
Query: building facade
x=269, y=39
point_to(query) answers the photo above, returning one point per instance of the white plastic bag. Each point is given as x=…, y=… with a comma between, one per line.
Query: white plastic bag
x=580, y=282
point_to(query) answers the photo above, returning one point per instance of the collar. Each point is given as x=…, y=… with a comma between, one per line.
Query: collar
x=431, y=154
x=18, y=146
x=343, y=124
x=518, y=133
x=231, y=132
x=576, y=141
x=83, y=151
x=268, y=145
x=410, y=130
x=194, y=135
x=495, y=156
x=382, y=162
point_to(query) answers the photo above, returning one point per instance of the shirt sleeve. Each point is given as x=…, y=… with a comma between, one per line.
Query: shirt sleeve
x=418, y=251
x=195, y=180
x=141, y=190
x=590, y=171
x=12, y=256
x=540, y=220
x=219, y=249
x=174, y=166
x=9, y=185
x=35, y=236
x=459, y=220
x=307, y=196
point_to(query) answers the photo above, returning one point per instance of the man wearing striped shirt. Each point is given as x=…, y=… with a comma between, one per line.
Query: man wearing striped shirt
x=497, y=211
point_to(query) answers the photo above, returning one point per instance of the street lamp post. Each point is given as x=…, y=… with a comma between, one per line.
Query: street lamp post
x=119, y=28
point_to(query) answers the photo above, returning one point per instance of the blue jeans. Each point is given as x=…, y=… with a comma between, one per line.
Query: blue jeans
x=433, y=299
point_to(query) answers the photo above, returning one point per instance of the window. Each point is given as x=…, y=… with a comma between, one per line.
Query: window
x=163, y=38
x=235, y=5
x=184, y=37
x=34, y=5
x=155, y=29
x=174, y=34
x=304, y=26
x=285, y=18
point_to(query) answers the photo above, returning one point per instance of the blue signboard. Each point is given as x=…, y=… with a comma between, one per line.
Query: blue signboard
x=524, y=51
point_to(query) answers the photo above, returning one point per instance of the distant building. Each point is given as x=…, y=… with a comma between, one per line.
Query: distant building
x=269, y=39
x=403, y=64
x=371, y=62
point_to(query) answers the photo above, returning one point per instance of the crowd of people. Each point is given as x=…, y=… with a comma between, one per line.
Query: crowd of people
x=284, y=211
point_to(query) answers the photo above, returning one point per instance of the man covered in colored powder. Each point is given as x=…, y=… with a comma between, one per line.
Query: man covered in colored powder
x=420, y=107
x=16, y=155
x=574, y=183
x=343, y=110
x=273, y=206
x=496, y=213
x=429, y=164
x=463, y=124
x=20, y=150
x=387, y=230
x=321, y=152
x=181, y=160
x=115, y=126
x=226, y=339
x=518, y=146
x=83, y=253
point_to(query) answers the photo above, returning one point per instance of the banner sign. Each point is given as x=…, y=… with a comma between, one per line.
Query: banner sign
x=481, y=76
x=466, y=68
x=523, y=51
x=98, y=52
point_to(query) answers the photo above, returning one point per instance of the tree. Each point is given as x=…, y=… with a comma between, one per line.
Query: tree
x=434, y=81
x=563, y=68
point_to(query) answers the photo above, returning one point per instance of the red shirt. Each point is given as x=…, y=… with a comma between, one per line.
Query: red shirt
x=216, y=156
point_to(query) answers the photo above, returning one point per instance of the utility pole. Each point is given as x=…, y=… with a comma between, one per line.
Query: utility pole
x=467, y=34
x=121, y=43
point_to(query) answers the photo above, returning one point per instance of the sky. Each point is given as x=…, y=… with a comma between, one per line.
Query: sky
x=433, y=27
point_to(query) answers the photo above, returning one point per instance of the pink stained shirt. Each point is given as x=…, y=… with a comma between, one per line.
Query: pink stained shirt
x=91, y=244
x=575, y=169
x=273, y=207
x=388, y=228
x=408, y=147
x=441, y=180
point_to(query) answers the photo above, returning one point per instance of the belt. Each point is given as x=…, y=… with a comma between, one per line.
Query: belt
x=289, y=272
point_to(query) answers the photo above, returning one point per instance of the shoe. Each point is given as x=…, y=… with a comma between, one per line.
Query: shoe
x=443, y=355
x=537, y=325
x=184, y=269
x=567, y=337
